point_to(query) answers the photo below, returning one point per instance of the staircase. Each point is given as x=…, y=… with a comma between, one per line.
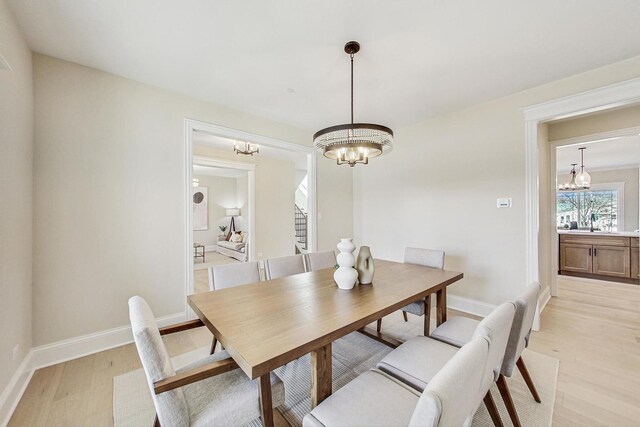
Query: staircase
x=301, y=230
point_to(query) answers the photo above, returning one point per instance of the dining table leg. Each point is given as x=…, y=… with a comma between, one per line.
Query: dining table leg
x=320, y=375
x=266, y=405
x=441, y=306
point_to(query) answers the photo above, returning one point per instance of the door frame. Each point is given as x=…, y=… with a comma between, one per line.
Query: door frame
x=616, y=95
x=192, y=125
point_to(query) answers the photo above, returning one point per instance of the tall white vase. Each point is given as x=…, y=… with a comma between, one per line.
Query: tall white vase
x=346, y=276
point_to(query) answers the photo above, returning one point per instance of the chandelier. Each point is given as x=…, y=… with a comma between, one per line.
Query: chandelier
x=248, y=149
x=353, y=143
x=570, y=185
x=577, y=181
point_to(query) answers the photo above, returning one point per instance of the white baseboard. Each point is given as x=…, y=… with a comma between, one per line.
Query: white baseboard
x=469, y=305
x=544, y=298
x=62, y=351
x=14, y=390
x=211, y=248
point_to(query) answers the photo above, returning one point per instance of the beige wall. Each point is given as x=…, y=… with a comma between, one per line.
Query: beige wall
x=222, y=193
x=335, y=203
x=108, y=151
x=274, y=192
x=438, y=188
x=630, y=178
x=620, y=118
x=16, y=196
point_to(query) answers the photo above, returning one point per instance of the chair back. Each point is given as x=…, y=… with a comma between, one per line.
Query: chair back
x=320, y=260
x=283, y=266
x=230, y=275
x=452, y=396
x=427, y=257
x=171, y=406
x=521, y=329
x=495, y=328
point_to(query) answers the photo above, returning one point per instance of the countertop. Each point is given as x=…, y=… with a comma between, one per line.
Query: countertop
x=602, y=233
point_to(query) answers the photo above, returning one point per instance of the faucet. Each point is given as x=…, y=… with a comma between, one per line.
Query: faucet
x=592, y=218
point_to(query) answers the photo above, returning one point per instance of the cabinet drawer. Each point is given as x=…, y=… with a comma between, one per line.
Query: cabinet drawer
x=590, y=239
x=634, y=242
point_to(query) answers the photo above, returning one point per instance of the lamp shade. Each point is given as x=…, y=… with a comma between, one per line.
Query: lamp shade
x=233, y=212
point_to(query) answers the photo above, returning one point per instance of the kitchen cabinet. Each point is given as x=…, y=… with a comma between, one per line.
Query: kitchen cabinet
x=607, y=257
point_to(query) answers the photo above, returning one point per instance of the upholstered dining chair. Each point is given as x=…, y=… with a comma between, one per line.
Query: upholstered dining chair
x=320, y=260
x=211, y=391
x=457, y=331
x=275, y=268
x=231, y=275
x=375, y=398
x=428, y=258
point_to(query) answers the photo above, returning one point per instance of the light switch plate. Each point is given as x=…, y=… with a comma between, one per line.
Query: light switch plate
x=503, y=202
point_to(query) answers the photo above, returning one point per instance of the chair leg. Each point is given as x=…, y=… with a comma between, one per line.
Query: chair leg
x=213, y=345
x=527, y=379
x=404, y=314
x=508, y=401
x=427, y=315
x=379, y=325
x=493, y=411
x=156, y=423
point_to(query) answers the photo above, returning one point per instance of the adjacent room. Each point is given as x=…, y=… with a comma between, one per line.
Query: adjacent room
x=319, y=214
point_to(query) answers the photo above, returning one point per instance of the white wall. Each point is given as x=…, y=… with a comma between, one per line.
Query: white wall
x=275, y=185
x=16, y=196
x=438, y=188
x=222, y=194
x=108, y=151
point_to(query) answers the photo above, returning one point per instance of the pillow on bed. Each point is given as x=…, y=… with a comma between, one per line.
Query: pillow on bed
x=236, y=238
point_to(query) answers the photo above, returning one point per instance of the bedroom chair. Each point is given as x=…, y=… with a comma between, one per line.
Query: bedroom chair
x=457, y=331
x=428, y=258
x=417, y=361
x=231, y=275
x=320, y=260
x=377, y=399
x=275, y=268
x=211, y=391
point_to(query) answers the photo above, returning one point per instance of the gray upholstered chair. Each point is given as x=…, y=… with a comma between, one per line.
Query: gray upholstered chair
x=457, y=331
x=211, y=391
x=418, y=360
x=428, y=258
x=320, y=260
x=284, y=266
x=377, y=399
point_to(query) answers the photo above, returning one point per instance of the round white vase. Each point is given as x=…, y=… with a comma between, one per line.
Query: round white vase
x=345, y=275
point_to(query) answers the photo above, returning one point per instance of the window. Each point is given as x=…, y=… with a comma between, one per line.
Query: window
x=603, y=201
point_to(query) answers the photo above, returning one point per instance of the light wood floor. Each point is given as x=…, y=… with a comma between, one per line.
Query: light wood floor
x=592, y=327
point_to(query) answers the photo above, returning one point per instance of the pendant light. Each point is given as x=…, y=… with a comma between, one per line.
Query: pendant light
x=571, y=184
x=583, y=179
x=248, y=150
x=349, y=144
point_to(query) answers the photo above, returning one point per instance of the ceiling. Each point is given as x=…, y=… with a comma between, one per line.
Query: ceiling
x=299, y=159
x=283, y=60
x=214, y=171
x=614, y=153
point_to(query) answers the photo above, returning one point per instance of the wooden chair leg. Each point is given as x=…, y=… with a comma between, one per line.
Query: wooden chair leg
x=493, y=410
x=404, y=314
x=213, y=345
x=508, y=401
x=427, y=315
x=527, y=379
x=156, y=423
x=379, y=325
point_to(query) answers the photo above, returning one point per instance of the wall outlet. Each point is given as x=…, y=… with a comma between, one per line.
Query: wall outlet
x=15, y=351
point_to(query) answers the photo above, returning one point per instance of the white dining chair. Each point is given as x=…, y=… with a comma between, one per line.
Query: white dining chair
x=428, y=258
x=275, y=268
x=320, y=260
x=458, y=330
x=210, y=391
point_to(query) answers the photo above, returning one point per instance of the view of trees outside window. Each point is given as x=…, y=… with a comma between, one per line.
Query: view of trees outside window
x=579, y=205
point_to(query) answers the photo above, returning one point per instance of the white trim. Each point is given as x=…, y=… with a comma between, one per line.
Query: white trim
x=62, y=351
x=210, y=248
x=468, y=305
x=14, y=390
x=544, y=298
x=616, y=95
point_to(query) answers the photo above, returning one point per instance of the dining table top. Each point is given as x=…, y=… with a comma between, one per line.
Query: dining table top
x=270, y=323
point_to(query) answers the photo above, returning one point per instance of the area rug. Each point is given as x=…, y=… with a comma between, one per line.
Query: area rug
x=352, y=355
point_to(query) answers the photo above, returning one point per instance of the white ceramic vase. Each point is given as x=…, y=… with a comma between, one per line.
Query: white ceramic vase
x=345, y=275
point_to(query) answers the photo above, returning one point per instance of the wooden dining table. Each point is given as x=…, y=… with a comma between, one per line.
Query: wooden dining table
x=268, y=324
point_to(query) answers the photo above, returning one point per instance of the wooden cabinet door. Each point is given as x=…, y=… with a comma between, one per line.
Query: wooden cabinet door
x=611, y=261
x=576, y=258
x=635, y=263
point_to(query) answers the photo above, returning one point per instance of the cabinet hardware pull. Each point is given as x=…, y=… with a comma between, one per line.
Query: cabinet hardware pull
x=595, y=252
x=589, y=251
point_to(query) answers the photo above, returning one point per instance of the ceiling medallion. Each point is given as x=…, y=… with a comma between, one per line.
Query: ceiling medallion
x=353, y=143
x=248, y=150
